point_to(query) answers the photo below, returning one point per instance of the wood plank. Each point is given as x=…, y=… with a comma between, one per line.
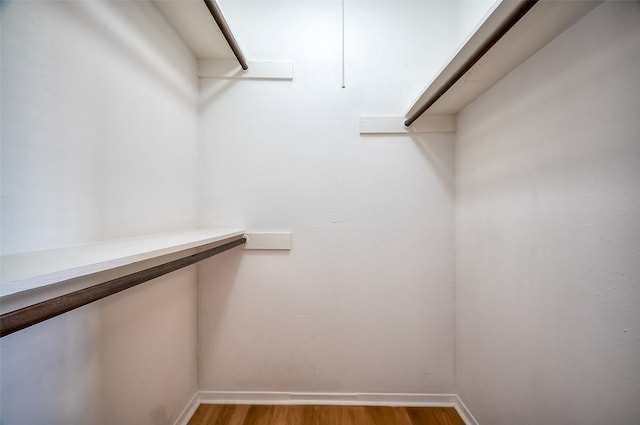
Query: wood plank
x=225, y=414
x=239, y=414
x=402, y=416
x=382, y=415
x=294, y=415
x=349, y=415
x=199, y=416
x=279, y=415
x=434, y=416
x=259, y=415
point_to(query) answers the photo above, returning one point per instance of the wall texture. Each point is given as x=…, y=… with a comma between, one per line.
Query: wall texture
x=547, y=233
x=98, y=124
x=364, y=300
x=99, y=140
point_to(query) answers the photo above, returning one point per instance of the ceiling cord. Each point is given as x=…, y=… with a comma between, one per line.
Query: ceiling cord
x=343, y=44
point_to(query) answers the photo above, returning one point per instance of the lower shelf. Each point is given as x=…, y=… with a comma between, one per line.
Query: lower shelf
x=32, y=314
x=30, y=270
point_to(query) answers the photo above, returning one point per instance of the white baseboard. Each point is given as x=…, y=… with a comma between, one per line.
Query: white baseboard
x=464, y=413
x=335, y=399
x=188, y=411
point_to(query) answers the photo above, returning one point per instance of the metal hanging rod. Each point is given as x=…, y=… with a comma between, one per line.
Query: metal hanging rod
x=216, y=12
x=477, y=55
x=22, y=318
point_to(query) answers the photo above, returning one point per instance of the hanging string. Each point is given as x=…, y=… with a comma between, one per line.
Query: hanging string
x=343, y=44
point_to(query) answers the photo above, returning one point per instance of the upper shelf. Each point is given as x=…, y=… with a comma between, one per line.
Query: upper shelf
x=204, y=29
x=545, y=21
x=192, y=20
x=21, y=272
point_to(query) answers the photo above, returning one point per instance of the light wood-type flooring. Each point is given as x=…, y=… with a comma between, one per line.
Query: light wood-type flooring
x=227, y=414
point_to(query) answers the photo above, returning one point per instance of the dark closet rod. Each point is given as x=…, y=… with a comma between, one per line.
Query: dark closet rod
x=477, y=55
x=19, y=319
x=216, y=12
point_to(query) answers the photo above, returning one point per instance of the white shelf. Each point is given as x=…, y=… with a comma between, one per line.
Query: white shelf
x=193, y=22
x=25, y=271
x=544, y=22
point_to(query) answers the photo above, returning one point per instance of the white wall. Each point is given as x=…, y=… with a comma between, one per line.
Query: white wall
x=547, y=233
x=98, y=125
x=99, y=140
x=364, y=300
x=127, y=359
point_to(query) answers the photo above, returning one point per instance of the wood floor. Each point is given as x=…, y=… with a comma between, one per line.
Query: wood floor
x=226, y=414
